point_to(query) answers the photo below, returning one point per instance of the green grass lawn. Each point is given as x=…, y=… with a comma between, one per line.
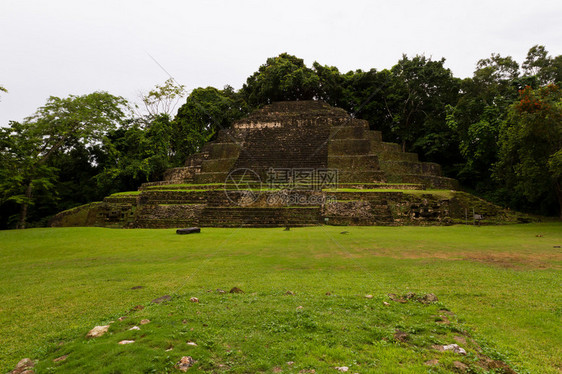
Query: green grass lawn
x=501, y=285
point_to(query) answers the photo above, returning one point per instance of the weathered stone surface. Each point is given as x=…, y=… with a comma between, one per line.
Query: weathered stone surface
x=97, y=331
x=123, y=342
x=24, y=366
x=455, y=348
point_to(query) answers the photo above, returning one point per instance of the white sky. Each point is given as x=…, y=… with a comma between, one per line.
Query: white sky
x=61, y=47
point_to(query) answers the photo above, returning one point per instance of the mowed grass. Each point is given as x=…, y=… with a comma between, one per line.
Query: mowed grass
x=503, y=284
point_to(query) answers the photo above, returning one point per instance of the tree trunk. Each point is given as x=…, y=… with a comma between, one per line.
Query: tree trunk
x=403, y=146
x=24, y=206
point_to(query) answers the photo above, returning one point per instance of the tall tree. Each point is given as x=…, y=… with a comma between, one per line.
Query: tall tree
x=417, y=101
x=543, y=67
x=284, y=77
x=205, y=112
x=139, y=151
x=531, y=147
x=30, y=146
x=476, y=119
x=163, y=99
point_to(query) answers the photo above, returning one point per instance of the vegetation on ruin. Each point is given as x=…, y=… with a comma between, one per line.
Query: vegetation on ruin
x=500, y=285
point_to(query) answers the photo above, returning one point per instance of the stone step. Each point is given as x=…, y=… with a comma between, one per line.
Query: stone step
x=363, y=162
x=342, y=147
x=272, y=217
x=223, y=150
x=347, y=132
x=407, y=167
x=398, y=156
x=216, y=165
x=180, y=174
x=430, y=181
x=210, y=177
x=373, y=176
x=377, y=147
x=374, y=136
x=382, y=186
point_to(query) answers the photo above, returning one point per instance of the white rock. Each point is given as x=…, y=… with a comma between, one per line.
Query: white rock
x=454, y=348
x=97, y=331
x=135, y=328
x=144, y=321
x=342, y=368
x=126, y=341
x=191, y=343
x=369, y=296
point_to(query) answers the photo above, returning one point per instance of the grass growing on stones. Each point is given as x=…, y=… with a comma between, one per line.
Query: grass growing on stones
x=501, y=286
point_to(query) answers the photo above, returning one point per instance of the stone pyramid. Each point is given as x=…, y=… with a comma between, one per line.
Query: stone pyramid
x=294, y=163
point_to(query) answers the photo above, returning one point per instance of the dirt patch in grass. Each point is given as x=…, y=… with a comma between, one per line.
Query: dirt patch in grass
x=510, y=260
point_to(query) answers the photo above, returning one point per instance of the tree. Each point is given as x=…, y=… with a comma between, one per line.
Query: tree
x=284, y=77
x=531, y=146
x=544, y=68
x=28, y=147
x=163, y=99
x=205, y=112
x=137, y=152
x=417, y=100
x=476, y=119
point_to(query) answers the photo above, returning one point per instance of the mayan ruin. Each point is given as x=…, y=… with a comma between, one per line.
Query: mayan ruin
x=296, y=163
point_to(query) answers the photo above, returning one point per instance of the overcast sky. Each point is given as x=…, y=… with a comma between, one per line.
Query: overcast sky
x=61, y=47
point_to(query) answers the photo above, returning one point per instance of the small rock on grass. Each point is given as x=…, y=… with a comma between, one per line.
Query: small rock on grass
x=61, y=358
x=385, y=303
x=25, y=365
x=192, y=343
x=401, y=336
x=144, y=321
x=135, y=328
x=460, y=366
x=194, y=300
x=368, y=296
x=161, y=299
x=299, y=307
x=290, y=293
x=221, y=291
x=97, y=331
x=236, y=290
x=126, y=342
x=185, y=363
x=342, y=368
x=452, y=348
